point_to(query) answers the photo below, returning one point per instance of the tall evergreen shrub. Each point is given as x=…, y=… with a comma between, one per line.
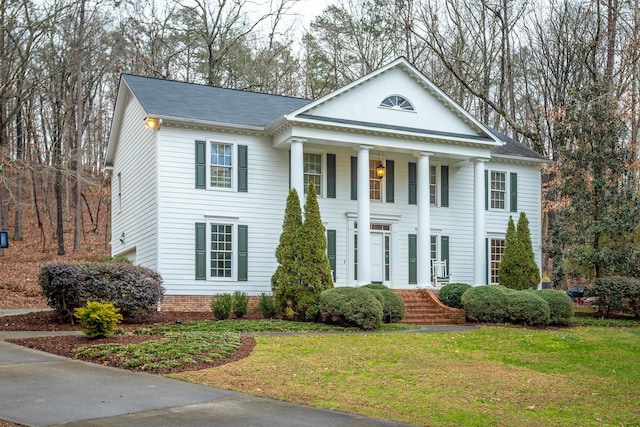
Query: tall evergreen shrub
x=285, y=282
x=529, y=267
x=315, y=270
x=511, y=273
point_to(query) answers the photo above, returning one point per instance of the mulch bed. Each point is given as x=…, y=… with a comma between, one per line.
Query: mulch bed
x=65, y=345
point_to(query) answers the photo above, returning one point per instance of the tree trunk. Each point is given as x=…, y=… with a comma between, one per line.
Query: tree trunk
x=79, y=131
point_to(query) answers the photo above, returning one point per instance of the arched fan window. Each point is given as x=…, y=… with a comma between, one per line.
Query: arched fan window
x=396, y=102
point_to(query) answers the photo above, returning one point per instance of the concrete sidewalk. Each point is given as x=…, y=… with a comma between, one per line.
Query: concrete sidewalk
x=41, y=389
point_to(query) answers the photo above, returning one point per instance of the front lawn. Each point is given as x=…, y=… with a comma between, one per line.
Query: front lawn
x=588, y=376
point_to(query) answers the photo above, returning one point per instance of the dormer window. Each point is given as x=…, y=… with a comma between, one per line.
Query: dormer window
x=396, y=102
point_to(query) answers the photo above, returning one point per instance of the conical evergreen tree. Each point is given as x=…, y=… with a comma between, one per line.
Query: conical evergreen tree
x=530, y=268
x=315, y=271
x=511, y=272
x=285, y=282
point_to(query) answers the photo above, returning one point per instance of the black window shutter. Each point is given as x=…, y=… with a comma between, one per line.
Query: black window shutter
x=486, y=190
x=243, y=249
x=331, y=176
x=389, y=174
x=201, y=251
x=413, y=184
x=354, y=178
x=487, y=269
x=444, y=186
x=243, y=163
x=444, y=251
x=201, y=164
x=513, y=190
x=413, y=259
x=331, y=251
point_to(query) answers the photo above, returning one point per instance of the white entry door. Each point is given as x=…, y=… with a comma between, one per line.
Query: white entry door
x=377, y=257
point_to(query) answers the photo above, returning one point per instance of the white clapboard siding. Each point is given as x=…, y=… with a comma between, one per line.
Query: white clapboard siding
x=137, y=218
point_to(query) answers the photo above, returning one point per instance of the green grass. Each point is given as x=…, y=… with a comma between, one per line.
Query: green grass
x=588, y=376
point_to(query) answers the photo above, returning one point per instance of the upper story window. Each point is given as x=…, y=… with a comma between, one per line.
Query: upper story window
x=396, y=102
x=312, y=164
x=221, y=164
x=375, y=182
x=498, y=189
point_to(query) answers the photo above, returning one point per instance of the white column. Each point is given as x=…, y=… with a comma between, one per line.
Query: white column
x=424, y=222
x=297, y=168
x=479, y=235
x=364, y=217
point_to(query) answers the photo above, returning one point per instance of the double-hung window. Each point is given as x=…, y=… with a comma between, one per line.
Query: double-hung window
x=375, y=182
x=312, y=164
x=498, y=190
x=221, y=165
x=221, y=251
x=496, y=248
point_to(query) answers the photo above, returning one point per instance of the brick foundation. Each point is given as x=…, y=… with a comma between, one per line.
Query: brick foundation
x=197, y=303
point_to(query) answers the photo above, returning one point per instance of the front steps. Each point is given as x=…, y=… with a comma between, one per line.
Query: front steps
x=424, y=308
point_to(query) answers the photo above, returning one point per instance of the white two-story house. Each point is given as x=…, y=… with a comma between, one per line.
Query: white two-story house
x=405, y=176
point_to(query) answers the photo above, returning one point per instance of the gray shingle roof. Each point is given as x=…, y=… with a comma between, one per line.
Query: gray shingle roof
x=514, y=148
x=169, y=98
x=189, y=101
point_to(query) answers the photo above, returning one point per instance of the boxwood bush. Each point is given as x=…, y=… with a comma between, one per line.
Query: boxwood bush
x=350, y=306
x=527, y=308
x=451, y=293
x=98, y=319
x=485, y=303
x=132, y=289
x=393, y=308
x=617, y=294
x=560, y=305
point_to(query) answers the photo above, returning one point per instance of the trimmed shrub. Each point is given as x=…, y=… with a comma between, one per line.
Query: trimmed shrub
x=98, y=319
x=560, y=305
x=132, y=289
x=617, y=294
x=350, y=306
x=485, y=303
x=450, y=294
x=527, y=308
x=267, y=306
x=240, y=304
x=393, y=308
x=221, y=306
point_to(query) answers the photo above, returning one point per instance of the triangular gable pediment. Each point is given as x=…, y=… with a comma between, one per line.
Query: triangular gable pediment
x=358, y=104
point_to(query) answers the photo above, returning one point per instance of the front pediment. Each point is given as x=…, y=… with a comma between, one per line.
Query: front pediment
x=396, y=97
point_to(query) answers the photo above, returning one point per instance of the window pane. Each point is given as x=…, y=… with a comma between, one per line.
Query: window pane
x=312, y=166
x=221, y=250
x=498, y=189
x=221, y=165
x=375, y=183
x=496, y=250
x=433, y=185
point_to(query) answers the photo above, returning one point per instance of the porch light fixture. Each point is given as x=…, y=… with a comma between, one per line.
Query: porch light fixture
x=152, y=123
x=380, y=170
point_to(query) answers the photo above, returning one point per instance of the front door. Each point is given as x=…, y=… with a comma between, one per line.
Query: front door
x=377, y=257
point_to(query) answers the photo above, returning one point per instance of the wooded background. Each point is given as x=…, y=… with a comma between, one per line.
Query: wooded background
x=559, y=75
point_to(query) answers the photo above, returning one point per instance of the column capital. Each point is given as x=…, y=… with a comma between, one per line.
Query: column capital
x=298, y=140
x=481, y=160
x=363, y=147
x=422, y=154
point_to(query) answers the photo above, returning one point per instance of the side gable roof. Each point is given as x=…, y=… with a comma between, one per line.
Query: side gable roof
x=514, y=149
x=169, y=99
